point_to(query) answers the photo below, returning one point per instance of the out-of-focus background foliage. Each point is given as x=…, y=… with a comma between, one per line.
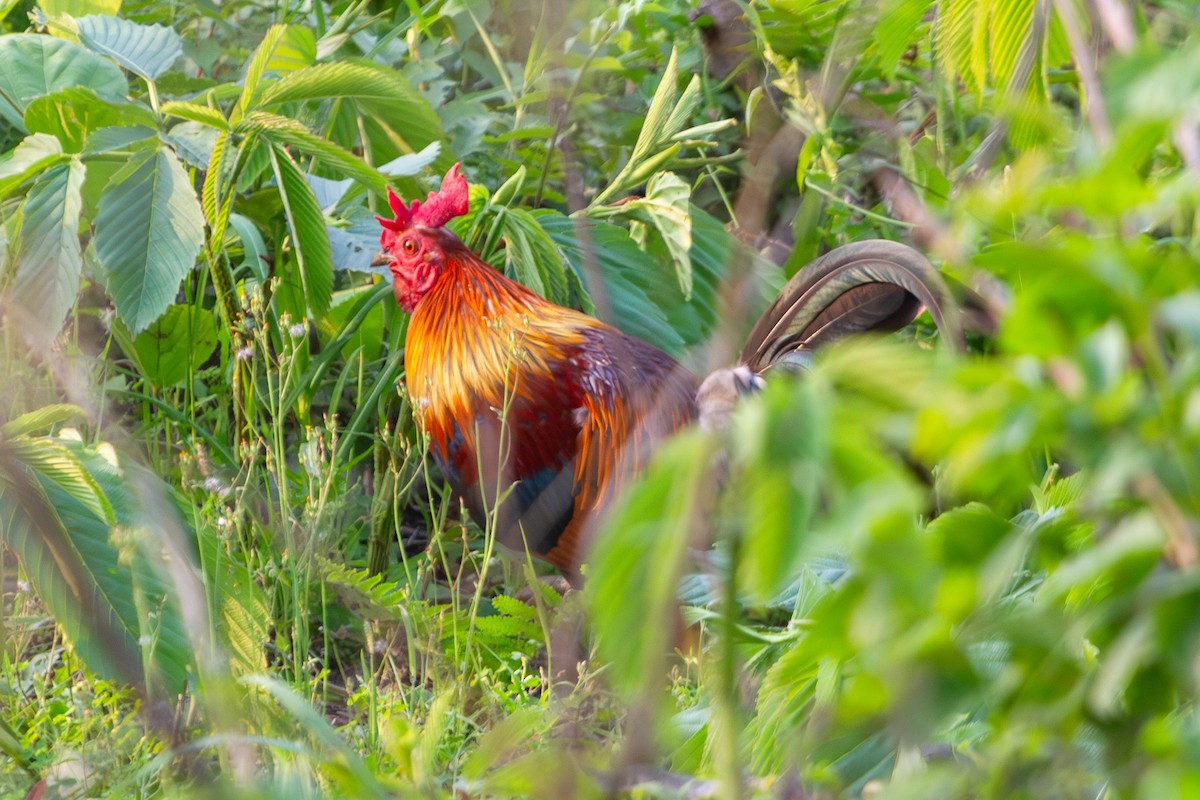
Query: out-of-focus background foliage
x=229, y=571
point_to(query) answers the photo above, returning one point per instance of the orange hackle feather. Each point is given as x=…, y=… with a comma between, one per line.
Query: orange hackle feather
x=535, y=412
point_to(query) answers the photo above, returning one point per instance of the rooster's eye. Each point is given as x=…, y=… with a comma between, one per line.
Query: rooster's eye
x=409, y=246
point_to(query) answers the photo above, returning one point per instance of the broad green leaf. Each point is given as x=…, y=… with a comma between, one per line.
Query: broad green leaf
x=532, y=256
x=125, y=140
x=32, y=66
x=49, y=257
x=102, y=581
x=149, y=231
x=284, y=49
x=34, y=154
x=55, y=462
x=310, y=243
x=193, y=141
x=176, y=344
x=401, y=123
x=71, y=115
x=146, y=50
x=622, y=280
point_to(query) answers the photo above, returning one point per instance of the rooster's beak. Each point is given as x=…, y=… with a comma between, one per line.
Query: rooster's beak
x=381, y=259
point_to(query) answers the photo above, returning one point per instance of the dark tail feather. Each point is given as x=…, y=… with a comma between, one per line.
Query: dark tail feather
x=874, y=285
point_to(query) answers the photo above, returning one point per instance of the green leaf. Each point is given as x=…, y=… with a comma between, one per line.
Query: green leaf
x=412, y=163
x=149, y=230
x=78, y=8
x=290, y=133
x=85, y=541
x=49, y=257
x=72, y=114
x=194, y=112
x=146, y=50
x=532, y=255
x=625, y=283
x=55, y=462
x=32, y=66
x=194, y=142
x=666, y=206
x=895, y=31
x=176, y=344
x=284, y=49
x=31, y=156
x=342, y=79
x=780, y=448
x=254, y=249
x=400, y=123
x=637, y=559
x=310, y=242
x=41, y=420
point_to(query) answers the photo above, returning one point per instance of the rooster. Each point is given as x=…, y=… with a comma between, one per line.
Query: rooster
x=537, y=414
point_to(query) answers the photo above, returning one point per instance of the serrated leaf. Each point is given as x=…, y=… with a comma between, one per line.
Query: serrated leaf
x=146, y=50
x=614, y=268
x=532, y=256
x=196, y=113
x=342, y=79
x=287, y=131
x=32, y=66
x=55, y=462
x=49, y=258
x=129, y=140
x=310, y=243
x=284, y=49
x=149, y=231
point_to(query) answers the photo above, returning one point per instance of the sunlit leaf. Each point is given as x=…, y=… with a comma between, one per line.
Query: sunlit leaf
x=32, y=66
x=147, y=50
x=49, y=256
x=149, y=231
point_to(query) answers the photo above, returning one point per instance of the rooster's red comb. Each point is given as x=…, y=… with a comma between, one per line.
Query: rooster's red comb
x=439, y=208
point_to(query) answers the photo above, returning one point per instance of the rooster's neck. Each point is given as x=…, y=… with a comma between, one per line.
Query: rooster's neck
x=470, y=332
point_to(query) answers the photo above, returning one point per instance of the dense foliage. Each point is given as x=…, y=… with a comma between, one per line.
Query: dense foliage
x=229, y=568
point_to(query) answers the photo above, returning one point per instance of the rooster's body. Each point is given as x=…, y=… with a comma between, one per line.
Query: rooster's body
x=515, y=392
x=537, y=413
